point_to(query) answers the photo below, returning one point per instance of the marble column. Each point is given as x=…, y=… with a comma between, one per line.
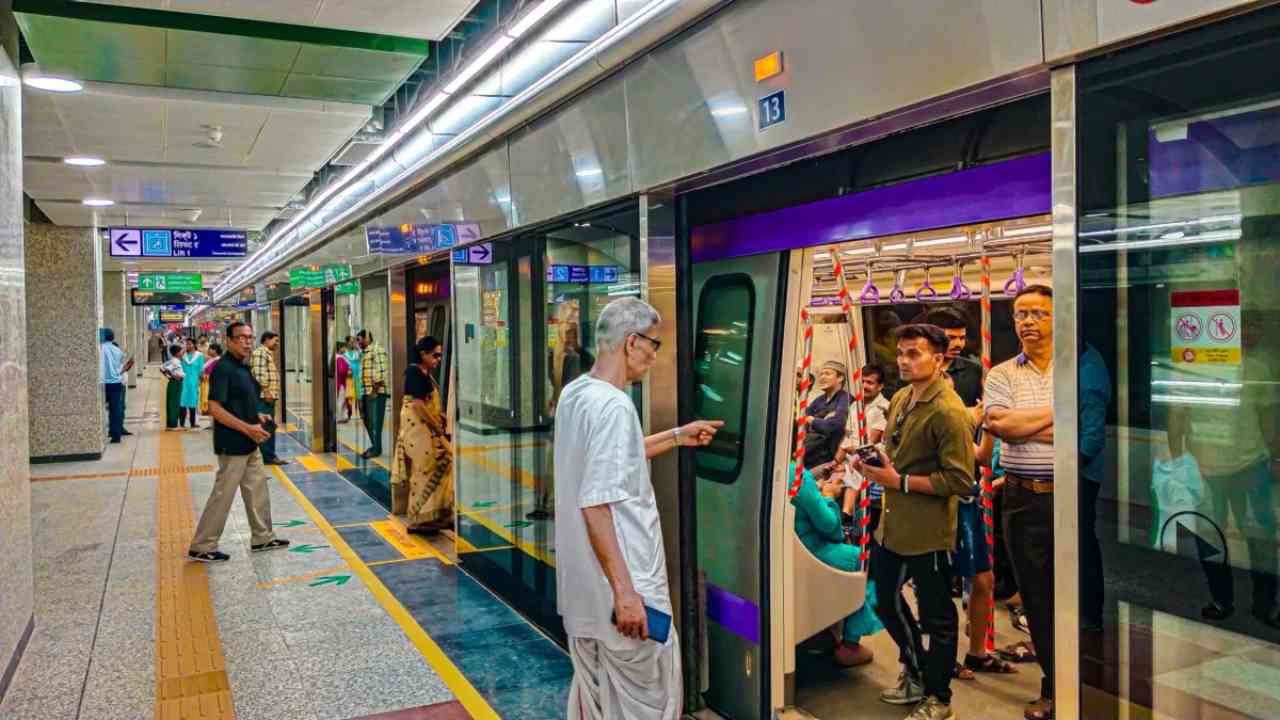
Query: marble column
x=16, y=584
x=115, y=307
x=64, y=311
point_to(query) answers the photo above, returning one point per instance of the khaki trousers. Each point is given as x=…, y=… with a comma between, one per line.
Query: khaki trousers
x=236, y=471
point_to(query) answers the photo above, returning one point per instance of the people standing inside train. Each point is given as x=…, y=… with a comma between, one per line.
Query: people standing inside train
x=966, y=375
x=423, y=454
x=267, y=373
x=192, y=371
x=234, y=402
x=927, y=462
x=373, y=369
x=1019, y=411
x=828, y=415
x=172, y=370
x=876, y=407
x=341, y=381
x=611, y=572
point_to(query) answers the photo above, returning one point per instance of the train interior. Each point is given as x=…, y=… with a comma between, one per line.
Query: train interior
x=895, y=281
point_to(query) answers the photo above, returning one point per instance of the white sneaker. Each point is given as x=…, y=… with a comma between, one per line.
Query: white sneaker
x=932, y=709
x=908, y=692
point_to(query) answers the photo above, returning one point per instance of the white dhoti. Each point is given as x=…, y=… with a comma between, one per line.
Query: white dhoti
x=643, y=683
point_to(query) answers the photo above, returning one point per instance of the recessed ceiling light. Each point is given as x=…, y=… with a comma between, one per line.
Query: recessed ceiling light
x=32, y=76
x=84, y=161
x=98, y=202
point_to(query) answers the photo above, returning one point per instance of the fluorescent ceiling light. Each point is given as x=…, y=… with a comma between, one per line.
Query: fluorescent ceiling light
x=482, y=61
x=952, y=240
x=1024, y=231
x=728, y=111
x=533, y=17
x=422, y=112
x=84, y=161
x=97, y=202
x=33, y=77
x=589, y=172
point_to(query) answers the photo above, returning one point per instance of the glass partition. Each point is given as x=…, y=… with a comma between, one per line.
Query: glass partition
x=297, y=376
x=1179, y=240
x=525, y=328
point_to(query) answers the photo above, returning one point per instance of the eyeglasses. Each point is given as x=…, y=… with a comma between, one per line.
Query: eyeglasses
x=1036, y=315
x=437, y=355
x=242, y=338
x=657, y=344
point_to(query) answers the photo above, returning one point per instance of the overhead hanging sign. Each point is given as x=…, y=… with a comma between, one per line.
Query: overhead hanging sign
x=138, y=296
x=582, y=274
x=1205, y=326
x=171, y=282
x=417, y=239
x=177, y=243
x=350, y=287
x=318, y=276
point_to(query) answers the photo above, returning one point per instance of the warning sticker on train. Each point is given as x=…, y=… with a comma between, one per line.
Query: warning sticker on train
x=1205, y=327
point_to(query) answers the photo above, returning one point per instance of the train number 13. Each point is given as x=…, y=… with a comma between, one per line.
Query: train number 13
x=772, y=109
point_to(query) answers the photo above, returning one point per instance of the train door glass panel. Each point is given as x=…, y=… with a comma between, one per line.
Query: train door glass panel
x=735, y=323
x=297, y=369
x=1179, y=241
x=346, y=321
x=375, y=317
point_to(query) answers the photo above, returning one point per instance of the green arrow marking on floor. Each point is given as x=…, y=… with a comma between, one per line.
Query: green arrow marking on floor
x=306, y=549
x=519, y=524
x=291, y=523
x=485, y=503
x=331, y=580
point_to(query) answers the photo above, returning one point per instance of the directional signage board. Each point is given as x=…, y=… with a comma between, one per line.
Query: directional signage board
x=480, y=254
x=177, y=243
x=318, y=276
x=350, y=287
x=138, y=296
x=171, y=282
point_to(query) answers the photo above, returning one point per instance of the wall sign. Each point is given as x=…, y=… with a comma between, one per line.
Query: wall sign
x=1205, y=327
x=171, y=282
x=318, y=276
x=772, y=110
x=417, y=239
x=350, y=287
x=177, y=242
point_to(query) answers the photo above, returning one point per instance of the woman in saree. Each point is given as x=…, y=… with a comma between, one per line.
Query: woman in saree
x=818, y=526
x=424, y=457
x=212, y=352
x=192, y=370
x=341, y=379
x=354, y=358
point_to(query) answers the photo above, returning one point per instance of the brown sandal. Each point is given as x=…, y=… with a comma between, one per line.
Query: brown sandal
x=1041, y=709
x=988, y=664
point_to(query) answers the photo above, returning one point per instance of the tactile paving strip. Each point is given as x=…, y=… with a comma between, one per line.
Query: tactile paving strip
x=191, y=672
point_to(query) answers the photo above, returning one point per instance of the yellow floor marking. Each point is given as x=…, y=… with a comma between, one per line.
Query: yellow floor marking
x=377, y=461
x=313, y=463
x=298, y=578
x=462, y=688
x=191, y=677
x=376, y=563
x=410, y=546
x=98, y=476
x=343, y=464
x=528, y=548
x=290, y=427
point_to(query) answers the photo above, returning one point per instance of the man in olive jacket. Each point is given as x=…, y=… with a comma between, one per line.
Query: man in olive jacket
x=927, y=463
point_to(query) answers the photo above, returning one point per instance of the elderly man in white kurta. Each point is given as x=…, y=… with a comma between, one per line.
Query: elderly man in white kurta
x=610, y=563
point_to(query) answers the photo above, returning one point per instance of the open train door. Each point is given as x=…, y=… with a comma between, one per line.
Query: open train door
x=737, y=361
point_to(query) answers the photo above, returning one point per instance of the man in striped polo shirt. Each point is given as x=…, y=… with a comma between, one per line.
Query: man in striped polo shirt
x=1019, y=411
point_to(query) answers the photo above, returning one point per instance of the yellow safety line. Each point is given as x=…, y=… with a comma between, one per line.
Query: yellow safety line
x=298, y=578
x=342, y=463
x=525, y=546
x=355, y=450
x=313, y=463
x=462, y=688
x=190, y=668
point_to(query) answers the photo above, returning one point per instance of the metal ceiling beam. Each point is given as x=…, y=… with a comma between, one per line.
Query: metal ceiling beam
x=195, y=22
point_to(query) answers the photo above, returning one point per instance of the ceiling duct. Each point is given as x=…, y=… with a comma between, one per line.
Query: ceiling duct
x=357, y=150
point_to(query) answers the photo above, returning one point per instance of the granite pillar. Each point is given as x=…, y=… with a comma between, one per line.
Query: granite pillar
x=16, y=583
x=115, y=307
x=64, y=311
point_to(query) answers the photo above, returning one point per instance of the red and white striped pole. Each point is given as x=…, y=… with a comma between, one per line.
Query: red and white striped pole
x=988, y=492
x=802, y=400
x=858, y=418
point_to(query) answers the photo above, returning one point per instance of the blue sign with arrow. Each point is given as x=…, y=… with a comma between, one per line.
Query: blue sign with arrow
x=178, y=243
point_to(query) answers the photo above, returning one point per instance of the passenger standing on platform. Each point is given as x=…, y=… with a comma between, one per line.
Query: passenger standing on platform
x=192, y=371
x=114, y=366
x=927, y=463
x=341, y=380
x=1019, y=411
x=267, y=373
x=172, y=369
x=423, y=455
x=611, y=572
x=373, y=369
x=354, y=356
x=234, y=401
x=829, y=414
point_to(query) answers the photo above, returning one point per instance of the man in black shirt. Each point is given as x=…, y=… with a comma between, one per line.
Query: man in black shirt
x=966, y=375
x=237, y=432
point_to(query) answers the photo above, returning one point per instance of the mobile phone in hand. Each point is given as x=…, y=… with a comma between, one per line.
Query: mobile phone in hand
x=869, y=455
x=658, y=621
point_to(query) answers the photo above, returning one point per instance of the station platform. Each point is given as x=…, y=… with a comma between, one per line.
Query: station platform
x=357, y=619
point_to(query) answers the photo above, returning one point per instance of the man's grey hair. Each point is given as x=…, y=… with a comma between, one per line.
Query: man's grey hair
x=621, y=318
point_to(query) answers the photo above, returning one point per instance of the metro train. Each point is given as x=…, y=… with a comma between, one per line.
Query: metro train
x=1119, y=172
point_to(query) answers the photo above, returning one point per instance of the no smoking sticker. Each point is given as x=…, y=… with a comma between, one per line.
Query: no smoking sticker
x=1206, y=327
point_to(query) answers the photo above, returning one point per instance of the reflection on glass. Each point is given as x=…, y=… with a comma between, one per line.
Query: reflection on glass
x=1179, y=241
x=721, y=363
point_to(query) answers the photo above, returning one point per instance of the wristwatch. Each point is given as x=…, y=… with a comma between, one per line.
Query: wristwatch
x=675, y=435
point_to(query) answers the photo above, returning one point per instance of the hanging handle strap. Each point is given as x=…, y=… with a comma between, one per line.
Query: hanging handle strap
x=926, y=291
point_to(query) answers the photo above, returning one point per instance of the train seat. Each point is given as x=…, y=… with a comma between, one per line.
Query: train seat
x=821, y=595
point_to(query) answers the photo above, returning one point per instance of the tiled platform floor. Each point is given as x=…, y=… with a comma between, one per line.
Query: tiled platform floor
x=356, y=621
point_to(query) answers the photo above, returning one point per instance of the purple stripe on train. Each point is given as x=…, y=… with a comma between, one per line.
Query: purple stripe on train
x=1008, y=189
x=738, y=615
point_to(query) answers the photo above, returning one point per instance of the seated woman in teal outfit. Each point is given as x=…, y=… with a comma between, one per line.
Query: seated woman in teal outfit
x=818, y=526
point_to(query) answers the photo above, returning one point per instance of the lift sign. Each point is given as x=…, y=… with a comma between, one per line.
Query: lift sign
x=772, y=109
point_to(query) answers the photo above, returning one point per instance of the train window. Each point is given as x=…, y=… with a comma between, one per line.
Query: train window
x=721, y=368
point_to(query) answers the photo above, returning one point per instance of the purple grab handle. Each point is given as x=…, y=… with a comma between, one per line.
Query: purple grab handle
x=926, y=291
x=1015, y=284
x=959, y=291
x=870, y=293
x=897, y=295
